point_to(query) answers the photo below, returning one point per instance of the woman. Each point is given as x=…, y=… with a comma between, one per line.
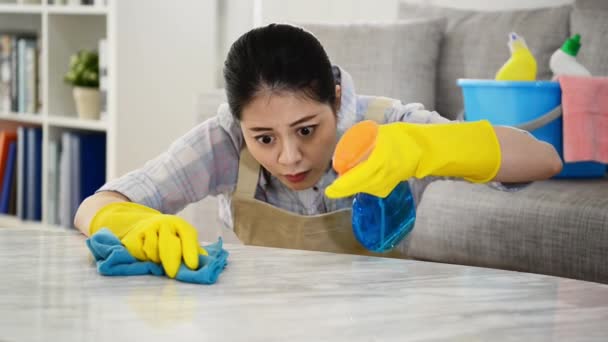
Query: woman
x=268, y=152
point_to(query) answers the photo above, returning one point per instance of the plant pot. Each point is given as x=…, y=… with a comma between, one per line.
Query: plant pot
x=88, y=102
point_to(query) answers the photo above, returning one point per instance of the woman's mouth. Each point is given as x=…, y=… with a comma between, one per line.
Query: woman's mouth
x=297, y=178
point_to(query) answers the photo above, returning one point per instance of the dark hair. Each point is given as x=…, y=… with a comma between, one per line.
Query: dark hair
x=277, y=58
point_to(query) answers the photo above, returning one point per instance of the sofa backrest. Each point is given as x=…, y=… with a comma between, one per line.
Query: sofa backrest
x=590, y=19
x=393, y=59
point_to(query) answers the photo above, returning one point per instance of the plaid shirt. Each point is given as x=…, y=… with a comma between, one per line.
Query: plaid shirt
x=205, y=161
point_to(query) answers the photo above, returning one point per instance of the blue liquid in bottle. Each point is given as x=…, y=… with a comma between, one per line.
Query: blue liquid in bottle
x=379, y=224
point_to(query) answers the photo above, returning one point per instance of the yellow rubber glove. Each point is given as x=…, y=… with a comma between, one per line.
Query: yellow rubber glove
x=150, y=235
x=403, y=150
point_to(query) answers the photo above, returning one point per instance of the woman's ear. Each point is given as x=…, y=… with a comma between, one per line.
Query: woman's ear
x=338, y=97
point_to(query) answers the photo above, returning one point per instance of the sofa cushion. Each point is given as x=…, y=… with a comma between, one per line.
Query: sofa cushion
x=590, y=19
x=396, y=59
x=555, y=227
x=475, y=44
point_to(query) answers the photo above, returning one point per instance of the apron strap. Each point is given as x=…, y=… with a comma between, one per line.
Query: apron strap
x=249, y=174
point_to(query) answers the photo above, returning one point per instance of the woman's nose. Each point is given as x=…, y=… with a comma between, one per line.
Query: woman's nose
x=290, y=153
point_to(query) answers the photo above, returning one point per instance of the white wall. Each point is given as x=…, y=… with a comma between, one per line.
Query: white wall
x=328, y=11
x=166, y=56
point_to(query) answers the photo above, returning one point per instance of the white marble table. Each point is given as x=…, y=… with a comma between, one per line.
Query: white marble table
x=50, y=291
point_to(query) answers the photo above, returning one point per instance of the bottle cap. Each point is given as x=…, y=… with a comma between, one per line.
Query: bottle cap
x=355, y=146
x=572, y=45
x=516, y=42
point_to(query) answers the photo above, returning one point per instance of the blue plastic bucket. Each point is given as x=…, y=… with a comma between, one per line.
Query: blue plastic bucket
x=515, y=103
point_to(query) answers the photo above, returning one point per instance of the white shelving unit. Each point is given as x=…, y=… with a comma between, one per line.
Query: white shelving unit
x=161, y=55
x=62, y=30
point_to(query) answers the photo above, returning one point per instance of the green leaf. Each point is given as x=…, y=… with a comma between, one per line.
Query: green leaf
x=83, y=69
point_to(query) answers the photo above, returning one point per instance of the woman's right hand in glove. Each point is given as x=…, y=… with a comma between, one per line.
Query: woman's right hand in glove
x=150, y=235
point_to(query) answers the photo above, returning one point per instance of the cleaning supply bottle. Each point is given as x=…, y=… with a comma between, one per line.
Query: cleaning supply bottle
x=379, y=224
x=522, y=64
x=563, y=61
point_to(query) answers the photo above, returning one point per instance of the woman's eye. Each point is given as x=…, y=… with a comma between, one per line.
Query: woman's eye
x=306, y=131
x=265, y=139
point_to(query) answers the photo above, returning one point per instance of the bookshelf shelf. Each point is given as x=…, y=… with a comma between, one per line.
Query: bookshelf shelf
x=75, y=123
x=22, y=118
x=9, y=221
x=77, y=10
x=147, y=103
x=55, y=121
x=57, y=32
x=15, y=8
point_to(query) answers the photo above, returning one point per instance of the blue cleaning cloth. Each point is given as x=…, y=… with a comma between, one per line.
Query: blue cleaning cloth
x=113, y=259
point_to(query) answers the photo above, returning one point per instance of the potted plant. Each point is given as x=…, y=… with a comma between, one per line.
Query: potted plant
x=84, y=77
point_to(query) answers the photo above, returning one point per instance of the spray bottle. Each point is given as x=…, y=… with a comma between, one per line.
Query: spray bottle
x=379, y=224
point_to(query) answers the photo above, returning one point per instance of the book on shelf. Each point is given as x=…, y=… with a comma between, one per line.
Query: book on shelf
x=29, y=173
x=33, y=209
x=53, y=187
x=82, y=170
x=75, y=176
x=8, y=143
x=6, y=45
x=76, y=168
x=92, y=163
x=19, y=72
x=12, y=205
x=7, y=191
x=78, y=2
x=6, y=138
x=103, y=76
x=21, y=172
x=64, y=210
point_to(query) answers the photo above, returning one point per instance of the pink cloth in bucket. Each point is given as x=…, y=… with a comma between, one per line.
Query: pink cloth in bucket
x=585, y=111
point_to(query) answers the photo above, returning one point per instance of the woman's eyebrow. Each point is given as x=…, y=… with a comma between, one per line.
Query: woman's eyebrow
x=259, y=129
x=304, y=119
x=297, y=122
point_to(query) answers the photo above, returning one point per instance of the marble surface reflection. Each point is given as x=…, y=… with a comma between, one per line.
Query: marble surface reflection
x=51, y=291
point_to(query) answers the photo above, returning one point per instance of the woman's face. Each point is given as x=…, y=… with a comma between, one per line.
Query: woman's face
x=291, y=136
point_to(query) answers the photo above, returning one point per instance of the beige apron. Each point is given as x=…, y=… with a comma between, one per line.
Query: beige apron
x=262, y=224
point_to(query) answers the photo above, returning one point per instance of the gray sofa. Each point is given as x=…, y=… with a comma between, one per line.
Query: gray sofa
x=555, y=227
